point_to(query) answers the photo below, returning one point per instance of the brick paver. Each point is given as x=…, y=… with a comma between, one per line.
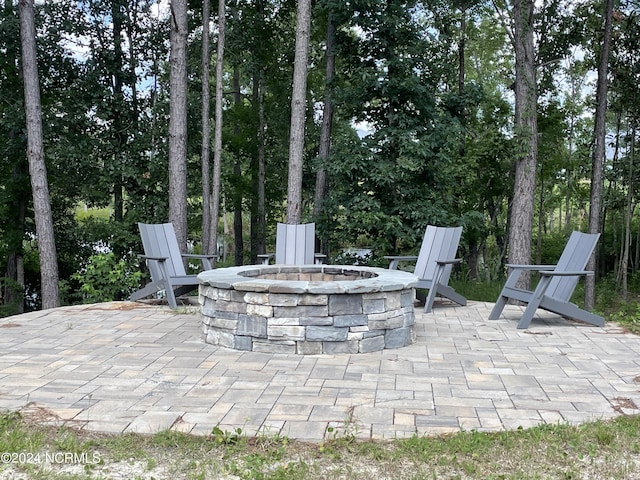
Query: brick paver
x=135, y=367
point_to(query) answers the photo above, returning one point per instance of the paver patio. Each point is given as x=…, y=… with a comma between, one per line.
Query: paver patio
x=135, y=367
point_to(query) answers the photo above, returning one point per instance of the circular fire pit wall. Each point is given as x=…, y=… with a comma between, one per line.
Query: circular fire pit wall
x=308, y=309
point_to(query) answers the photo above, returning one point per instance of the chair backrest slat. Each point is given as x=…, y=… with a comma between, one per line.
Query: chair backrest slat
x=159, y=240
x=295, y=243
x=574, y=258
x=439, y=243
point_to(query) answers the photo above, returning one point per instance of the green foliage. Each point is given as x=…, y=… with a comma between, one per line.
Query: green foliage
x=627, y=315
x=482, y=291
x=389, y=182
x=226, y=437
x=16, y=437
x=552, y=247
x=10, y=289
x=107, y=278
x=436, y=146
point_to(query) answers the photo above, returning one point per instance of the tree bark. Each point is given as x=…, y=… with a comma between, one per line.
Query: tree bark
x=597, y=165
x=521, y=220
x=119, y=131
x=35, y=155
x=258, y=208
x=325, y=132
x=206, y=134
x=238, y=230
x=623, y=277
x=178, y=121
x=298, y=108
x=15, y=258
x=217, y=136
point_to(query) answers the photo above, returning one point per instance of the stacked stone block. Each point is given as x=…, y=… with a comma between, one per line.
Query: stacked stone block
x=306, y=310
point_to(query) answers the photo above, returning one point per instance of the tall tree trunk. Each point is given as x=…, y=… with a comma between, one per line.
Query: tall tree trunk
x=258, y=211
x=217, y=136
x=258, y=217
x=178, y=121
x=630, y=207
x=206, y=133
x=521, y=220
x=540, y=220
x=597, y=178
x=117, y=112
x=132, y=41
x=298, y=110
x=35, y=155
x=636, y=260
x=325, y=132
x=15, y=259
x=261, y=219
x=238, y=230
x=569, y=169
x=461, y=48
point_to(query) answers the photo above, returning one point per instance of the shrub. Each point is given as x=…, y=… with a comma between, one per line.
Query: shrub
x=106, y=278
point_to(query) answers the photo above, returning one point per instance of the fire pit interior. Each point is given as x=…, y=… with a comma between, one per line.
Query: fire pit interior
x=307, y=309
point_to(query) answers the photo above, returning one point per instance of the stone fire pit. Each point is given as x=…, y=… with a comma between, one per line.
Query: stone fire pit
x=307, y=309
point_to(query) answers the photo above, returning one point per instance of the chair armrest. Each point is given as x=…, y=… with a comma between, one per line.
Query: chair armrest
x=531, y=267
x=196, y=256
x=161, y=264
x=449, y=262
x=205, y=259
x=395, y=259
x=265, y=257
x=158, y=259
x=319, y=258
x=566, y=274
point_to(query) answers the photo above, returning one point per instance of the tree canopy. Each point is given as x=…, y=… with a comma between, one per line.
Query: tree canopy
x=423, y=130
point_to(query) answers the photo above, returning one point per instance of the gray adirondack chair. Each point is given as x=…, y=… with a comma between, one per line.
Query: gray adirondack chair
x=295, y=245
x=165, y=263
x=556, y=284
x=434, y=263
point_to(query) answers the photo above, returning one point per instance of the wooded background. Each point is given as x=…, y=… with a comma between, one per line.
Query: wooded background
x=474, y=113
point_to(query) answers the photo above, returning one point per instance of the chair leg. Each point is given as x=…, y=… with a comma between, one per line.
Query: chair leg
x=448, y=292
x=534, y=303
x=502, y=299
x=171, y=297
x=428, y=302
x=527, y=316
x=437, y=274
x=498, y=307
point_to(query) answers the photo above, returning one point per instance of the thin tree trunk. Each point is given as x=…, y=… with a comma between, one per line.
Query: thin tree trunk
x=119, y=134
x=217, y=137
x=637, y=252
x=597, y=178
x=461, y=48
x=521, y=220
x=178, y=121
x=206, y=131
x=238, y=230
x=540, y=219
x=257, y=234
x=624, y=261
x=298, y=110
x=35, y=154
x=569, y=170
x=325, y=132
x=262, y=175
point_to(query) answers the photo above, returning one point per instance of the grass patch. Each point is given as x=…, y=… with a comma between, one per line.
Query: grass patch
x=602, y=449
x=477, y=290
